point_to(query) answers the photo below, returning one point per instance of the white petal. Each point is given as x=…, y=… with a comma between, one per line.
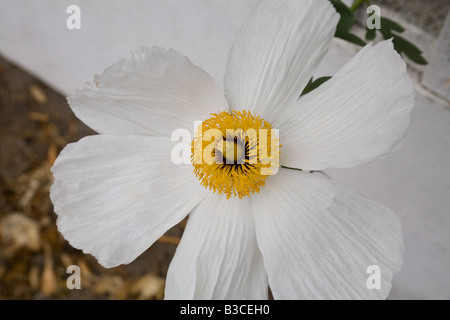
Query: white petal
x=151, y=92
x=360, y=115
x=318, y=239
x=280, y=46
x=116, y=195
x=218, y=257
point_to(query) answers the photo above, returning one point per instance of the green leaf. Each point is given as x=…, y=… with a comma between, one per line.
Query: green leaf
x=401, y=45
x=346, y=23
x=388, y=24
x=371, y=34
x=347, y=19
x=353, y=39
x=388, y=27
x=314, y=84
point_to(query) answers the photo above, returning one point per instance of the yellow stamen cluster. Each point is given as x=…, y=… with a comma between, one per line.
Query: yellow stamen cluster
x=233, y=153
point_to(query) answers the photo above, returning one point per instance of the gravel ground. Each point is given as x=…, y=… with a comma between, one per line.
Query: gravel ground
x=35, y=124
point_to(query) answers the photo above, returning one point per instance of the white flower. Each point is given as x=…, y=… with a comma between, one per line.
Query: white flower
x=304, y=236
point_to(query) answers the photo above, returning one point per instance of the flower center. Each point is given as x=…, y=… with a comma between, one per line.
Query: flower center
x=233, y=153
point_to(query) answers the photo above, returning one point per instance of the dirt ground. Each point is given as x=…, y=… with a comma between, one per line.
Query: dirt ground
x=35, y=124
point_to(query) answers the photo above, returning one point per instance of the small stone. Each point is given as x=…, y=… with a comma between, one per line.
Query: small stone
x=149, y=287
x=38, y=94
x=18, y=231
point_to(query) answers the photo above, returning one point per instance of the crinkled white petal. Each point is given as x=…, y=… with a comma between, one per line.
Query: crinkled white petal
x=318, y=239
x=151, y=92
x=280, y=45
x=360, y=115
x=218, y=257
x=116, y=195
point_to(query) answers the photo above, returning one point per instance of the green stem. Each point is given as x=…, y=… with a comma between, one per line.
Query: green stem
x=284, y=167
x=356, y=5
